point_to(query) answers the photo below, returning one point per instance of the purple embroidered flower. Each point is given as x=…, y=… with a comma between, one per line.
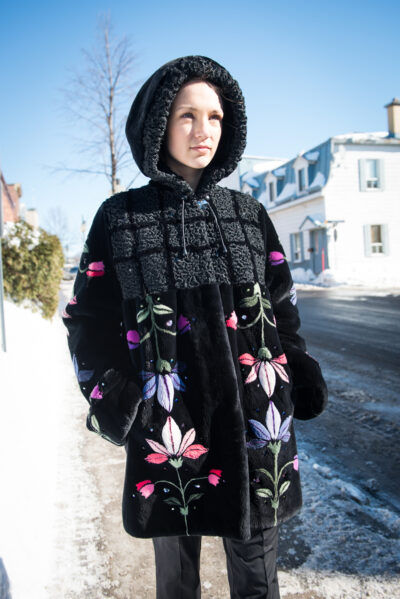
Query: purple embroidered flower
x=276, y=258
x=82, y=375
x=96, y=393
x=164, y=384
x=293, y=295
x=264, y=367
x=183, y=324
x=174, y=445
x=133, y=339
x=296, y=462
x=145, y=488
x=276, y=430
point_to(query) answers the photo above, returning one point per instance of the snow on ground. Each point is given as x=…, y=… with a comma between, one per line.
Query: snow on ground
x=331, y=278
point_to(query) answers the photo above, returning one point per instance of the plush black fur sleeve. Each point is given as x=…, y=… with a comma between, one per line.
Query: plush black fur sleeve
x=309, y=393
x=96, y=340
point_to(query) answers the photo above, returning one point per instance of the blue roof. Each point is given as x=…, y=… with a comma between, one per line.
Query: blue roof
x=319, y=160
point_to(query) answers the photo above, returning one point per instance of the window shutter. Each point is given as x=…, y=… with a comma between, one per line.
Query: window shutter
x=367, y=240
x=302, y=246
x=361, y=170
x=292, y=246
x=385, y=239
x=381, y=174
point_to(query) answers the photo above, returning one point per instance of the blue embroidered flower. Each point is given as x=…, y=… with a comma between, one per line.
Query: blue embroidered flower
x=164, y=384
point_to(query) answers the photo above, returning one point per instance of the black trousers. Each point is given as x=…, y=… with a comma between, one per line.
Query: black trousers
x=251, y=566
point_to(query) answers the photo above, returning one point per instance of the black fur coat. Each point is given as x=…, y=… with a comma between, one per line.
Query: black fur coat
x=184, y=336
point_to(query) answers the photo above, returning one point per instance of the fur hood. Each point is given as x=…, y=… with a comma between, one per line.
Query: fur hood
x=147, y=121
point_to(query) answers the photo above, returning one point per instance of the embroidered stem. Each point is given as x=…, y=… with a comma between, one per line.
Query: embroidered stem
x=193, y=480
x=184, y=510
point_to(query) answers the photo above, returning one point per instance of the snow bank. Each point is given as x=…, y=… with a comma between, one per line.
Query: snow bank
x=333, y=278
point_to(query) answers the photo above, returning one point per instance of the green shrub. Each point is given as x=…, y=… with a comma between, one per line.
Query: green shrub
x=32, y=266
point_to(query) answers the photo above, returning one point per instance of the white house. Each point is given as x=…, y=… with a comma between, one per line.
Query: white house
x=337, y=205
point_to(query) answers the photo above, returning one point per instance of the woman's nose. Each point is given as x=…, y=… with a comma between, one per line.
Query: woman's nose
x=202, y=127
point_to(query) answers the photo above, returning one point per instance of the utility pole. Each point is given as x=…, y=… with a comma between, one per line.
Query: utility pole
x=3, y=325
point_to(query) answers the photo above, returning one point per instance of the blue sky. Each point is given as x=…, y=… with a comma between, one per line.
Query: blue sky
x=308, y=70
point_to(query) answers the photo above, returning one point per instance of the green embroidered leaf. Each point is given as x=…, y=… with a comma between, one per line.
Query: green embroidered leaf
x=264, y=492
x=161, y=309
x=85, y=248
x=275, y=504
x=194, y=497
x=184, y=511
x=163, y=366
x=142, y=315
x=263, y=471
x=284, y=487
x=176, y=463
x=274, y=446
x=266, y=303
x=172, y=501
x=95, y=423
x=248, y=302
x=146, y=336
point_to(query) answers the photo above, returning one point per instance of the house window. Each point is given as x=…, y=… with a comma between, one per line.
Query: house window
x=297, y=250
x=376, y=240
x=271, y=191
x=371, y=174
x=302, y=179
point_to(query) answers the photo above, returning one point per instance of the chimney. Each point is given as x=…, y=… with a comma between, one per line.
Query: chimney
x=393, y=111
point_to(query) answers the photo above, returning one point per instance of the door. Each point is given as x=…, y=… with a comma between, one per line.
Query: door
x=318, y=250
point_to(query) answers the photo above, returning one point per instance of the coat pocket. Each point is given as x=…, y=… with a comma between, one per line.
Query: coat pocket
x=114, y=403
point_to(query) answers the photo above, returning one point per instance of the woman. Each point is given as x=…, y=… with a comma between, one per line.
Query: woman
x=183, y=333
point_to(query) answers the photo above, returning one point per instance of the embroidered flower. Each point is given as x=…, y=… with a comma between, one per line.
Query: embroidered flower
x=95, y=269
x=296, y=462
x=65, y=314
x=73, y=301
x=164, y=384
x=96, y=393
x=183, y=324
x=174, y=445
x=276, y=430
x=133, y=339
x=82, y=375
x=214, y=477
x=146, y=488
x=276, y=258
x=264, y=367
x=232, y=321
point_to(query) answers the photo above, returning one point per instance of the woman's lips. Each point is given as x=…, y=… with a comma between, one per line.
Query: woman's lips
x=201, y=148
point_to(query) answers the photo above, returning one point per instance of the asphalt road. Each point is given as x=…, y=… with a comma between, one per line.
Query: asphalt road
x=355, y=335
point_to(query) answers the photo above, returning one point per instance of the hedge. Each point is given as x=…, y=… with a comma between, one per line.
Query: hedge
x=32, y=267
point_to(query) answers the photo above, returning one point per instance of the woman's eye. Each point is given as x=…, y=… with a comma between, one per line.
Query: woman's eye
x=216, y=116
x=187, y=115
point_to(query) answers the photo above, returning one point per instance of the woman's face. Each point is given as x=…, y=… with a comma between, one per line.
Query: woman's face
x=194, y=128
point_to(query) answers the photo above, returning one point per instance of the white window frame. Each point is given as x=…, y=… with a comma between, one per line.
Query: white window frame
x=371, y=184
x=270, y=180
x=297, y=247
x=301, y=164
x=381, y=246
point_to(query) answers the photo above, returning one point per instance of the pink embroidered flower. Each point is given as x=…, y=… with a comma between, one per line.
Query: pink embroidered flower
x=276, y=430
x=276, y=258
x=95, y=269
x=214, y=477
x=183, y=324
x=232, y=320
x=146, y=488
x=65, y=314
x=73, y=301
x=174, y=445
x=296, y=462
x=133, y=338
x=96, y=393
x=264, y=367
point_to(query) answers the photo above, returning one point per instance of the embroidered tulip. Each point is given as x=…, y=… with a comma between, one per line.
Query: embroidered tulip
x=73, y=301
x=174, y=445
x=183, y=324
x=264, y=367
x=146, y=488
x=276, y=258
x=95, y=269
x=164, y=384
x=214, y=477
x=96, y=393
x=293, y=295
x=296, y=462
x=275, y=429
x=232, y=321
x=65, y=314
x=133, y=339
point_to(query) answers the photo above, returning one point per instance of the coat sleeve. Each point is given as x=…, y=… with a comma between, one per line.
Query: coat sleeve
x=309, y=391
x=96, y=340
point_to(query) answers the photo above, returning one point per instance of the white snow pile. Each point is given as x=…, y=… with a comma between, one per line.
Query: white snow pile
x=333, y=278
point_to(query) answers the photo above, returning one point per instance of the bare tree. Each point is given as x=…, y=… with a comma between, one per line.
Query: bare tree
x=56, y=223
x=96, y=101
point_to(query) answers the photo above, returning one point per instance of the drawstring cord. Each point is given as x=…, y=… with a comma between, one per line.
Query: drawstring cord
x=184, y=251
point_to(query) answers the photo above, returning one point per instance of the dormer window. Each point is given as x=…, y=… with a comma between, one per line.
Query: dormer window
x=271, y=191
x=301, y=174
